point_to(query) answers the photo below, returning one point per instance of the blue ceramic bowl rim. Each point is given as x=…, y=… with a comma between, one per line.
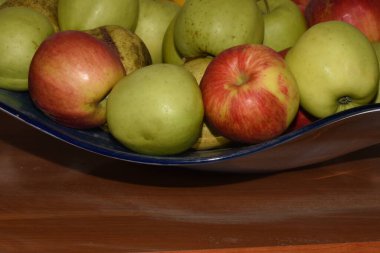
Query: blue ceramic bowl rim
x=186, y=158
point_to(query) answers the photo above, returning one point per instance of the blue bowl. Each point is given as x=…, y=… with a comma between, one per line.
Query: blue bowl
x=322, y=140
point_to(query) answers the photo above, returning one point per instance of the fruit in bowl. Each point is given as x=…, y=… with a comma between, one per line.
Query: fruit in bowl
x=209, y=27
x=249, y=94
x=22, y=31
x=70, y=77
x=284, y=23
x=335, y=67
x=131, y=48
x=156, y=110
x=363, y=14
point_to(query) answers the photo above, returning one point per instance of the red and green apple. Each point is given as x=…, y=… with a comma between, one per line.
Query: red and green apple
x=70, y=77
x=249, y=94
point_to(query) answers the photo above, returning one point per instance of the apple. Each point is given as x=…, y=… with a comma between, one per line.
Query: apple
x=45, y=7
x=209, y=27
x=363, y=14
x=22, y=31
x=154, y=19
x=284, y=23
x=70, y=77
x=335, y=67
x=90, y=14
x=249, y=94
x=209, y=138
x=156, y=110
x=302, y=4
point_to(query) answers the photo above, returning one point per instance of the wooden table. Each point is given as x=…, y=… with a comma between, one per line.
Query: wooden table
x=57, y=198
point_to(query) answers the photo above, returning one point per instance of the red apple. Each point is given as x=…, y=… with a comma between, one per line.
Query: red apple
x=302, y=119
x=70, y=76
x=249, y=94
x=302, y=4
x=363, y=14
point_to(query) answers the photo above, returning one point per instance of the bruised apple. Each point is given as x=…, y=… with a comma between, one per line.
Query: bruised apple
x=70, y=77
x=249, y=94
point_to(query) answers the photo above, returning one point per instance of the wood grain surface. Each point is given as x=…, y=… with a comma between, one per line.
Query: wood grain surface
x=57, y=198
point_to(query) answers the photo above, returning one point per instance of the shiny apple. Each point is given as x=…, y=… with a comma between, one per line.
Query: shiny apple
x=249, y=94
x=70, y=77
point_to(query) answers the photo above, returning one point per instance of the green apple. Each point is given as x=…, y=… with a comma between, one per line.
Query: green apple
x=156, y=110
x=169, y=51
x=154, y=19
x=90, y=14
x=46, y=7
x=284, y=23
x=22, y=31
x=209, y=27
x=335, y=67
x=376, y=46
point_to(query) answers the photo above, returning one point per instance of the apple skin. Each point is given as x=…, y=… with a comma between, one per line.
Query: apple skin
x=22, y=31
x=249, y=94
x=170, y=53
x=45, y=7
x=209, y=27
x=154, y=18
x=209, y=138
x=70, y=76
x=363, y=14
x=335, y=67
x=156, y=110
x=90, y=14
x=302, y=119
x=284, y=23
x=302, y=4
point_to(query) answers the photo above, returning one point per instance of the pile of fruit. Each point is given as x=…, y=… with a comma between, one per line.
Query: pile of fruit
x=166, y=76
